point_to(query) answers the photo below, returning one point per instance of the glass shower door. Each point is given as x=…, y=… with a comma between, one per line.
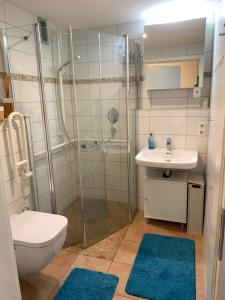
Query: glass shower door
x=60, y=112
x=89, y=112
x=101, y=106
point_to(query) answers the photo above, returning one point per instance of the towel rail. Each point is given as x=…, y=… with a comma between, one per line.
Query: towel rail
x=22, y=164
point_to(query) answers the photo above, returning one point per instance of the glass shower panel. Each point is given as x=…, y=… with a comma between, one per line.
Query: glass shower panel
x=114, y=88
x=84, y=128
x=20, y=46
x=99, y=67
x=56, y=62
x=89, y=112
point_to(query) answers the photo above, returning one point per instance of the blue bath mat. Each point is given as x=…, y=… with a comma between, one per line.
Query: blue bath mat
x=164, y=269
x=85, y=284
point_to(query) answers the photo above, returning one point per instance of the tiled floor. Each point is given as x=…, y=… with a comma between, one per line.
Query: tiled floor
x=114, y=255
x=100, y=216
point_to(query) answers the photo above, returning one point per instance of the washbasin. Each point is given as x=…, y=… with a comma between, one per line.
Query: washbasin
x=161, y=158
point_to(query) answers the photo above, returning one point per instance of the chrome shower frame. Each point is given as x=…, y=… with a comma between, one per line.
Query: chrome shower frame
x=44, y=113
x=128, y=121
x=78, y=135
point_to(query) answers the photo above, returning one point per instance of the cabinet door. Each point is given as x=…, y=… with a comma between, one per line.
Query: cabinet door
x=165, y=201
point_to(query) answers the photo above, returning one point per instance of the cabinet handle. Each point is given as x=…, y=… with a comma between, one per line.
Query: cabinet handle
x=196, y=186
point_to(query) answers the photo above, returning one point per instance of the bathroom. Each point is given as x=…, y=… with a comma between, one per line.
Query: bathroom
x=112, y=149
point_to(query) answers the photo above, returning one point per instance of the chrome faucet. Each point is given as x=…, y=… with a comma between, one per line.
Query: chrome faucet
x=169, y=145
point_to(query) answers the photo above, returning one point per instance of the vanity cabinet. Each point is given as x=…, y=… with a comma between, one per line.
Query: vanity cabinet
x=165, y=198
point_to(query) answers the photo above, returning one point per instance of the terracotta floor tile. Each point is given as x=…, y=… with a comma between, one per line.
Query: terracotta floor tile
x=117, y=297
x=38, y=286
x=140, y=226
x=200, y=271
x=121, y=247
x=91, y=263
x=127, y=252
x=122, y=271
x=105, y=249
x=60, y=265
x=53, y=293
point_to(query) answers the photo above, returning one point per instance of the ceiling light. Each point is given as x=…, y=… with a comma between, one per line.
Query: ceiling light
x=144, y=35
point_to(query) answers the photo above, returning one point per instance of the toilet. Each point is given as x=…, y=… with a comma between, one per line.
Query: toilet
x=37, y=238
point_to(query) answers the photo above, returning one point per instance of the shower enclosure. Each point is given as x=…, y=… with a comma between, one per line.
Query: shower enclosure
x=80, y=118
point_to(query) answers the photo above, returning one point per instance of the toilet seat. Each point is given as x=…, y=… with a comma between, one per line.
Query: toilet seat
x=36, y=229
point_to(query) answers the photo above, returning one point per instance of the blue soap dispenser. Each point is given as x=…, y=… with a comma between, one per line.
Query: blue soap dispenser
x=151, y=142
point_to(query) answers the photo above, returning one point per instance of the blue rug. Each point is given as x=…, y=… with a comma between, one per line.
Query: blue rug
x=164, y=269
x=85, y=284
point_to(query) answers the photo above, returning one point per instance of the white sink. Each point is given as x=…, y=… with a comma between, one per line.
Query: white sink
x=160, y=158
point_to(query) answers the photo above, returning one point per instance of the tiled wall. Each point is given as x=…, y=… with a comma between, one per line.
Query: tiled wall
x=104, y=170
x=180, y=125
x=171, y=113
x=23, y=61
x=165, y=113
x=14, y=191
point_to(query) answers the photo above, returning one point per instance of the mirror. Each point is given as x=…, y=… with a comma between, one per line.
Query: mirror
x=174, y=55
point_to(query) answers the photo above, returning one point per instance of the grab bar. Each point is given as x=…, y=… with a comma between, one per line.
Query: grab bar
x=24, y=162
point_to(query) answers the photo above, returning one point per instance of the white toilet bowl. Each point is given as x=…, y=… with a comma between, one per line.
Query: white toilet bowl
x=37, y=238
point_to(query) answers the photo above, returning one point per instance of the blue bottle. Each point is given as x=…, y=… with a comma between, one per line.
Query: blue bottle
x=151, y=142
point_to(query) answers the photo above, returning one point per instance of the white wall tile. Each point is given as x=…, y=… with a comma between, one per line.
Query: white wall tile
x=193, y=124
x=168, y=125
x=79, y=37
x=142, y=125
x=26, y=91
x=197, y=143
x=81, y=51
x=178, y=141
x=107, y=52
x=18, y=65
x=82, y=91
x=93, y=52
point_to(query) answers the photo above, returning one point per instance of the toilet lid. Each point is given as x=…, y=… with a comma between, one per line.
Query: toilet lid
x=36, y=229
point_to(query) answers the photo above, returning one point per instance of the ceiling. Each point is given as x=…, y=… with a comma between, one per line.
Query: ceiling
x=88, y=13
x=185, y=32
